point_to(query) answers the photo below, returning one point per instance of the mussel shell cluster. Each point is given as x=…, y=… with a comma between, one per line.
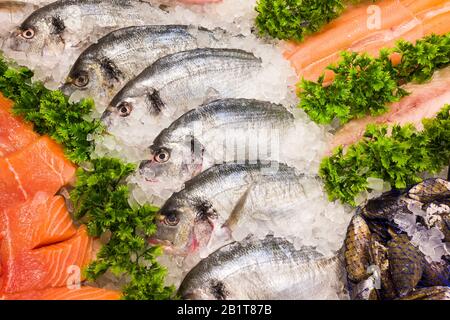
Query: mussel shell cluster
x=381, y=261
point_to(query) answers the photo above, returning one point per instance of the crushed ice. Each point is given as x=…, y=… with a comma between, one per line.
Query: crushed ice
x=428, y=238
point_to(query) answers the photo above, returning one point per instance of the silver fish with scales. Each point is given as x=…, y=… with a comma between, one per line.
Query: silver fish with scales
x=74, y=23
x=219, y=131
x=268, y=269
x=225, y=197
x=182, y=81
x=106, y=66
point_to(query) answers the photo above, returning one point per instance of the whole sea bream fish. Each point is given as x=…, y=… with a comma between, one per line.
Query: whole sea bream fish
x=220, y=131
x=180, y=82
x=73, y=23
x=268, y=269
x=225, y=197
x=106, y=66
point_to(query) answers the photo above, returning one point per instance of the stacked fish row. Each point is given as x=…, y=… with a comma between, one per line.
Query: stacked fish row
x=184, y=74
x=397, y=246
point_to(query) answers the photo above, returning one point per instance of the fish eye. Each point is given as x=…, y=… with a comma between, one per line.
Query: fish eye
x=82, y=80
x=162, y=156
x=171, y=220
x=28, y=33
x=125, y=109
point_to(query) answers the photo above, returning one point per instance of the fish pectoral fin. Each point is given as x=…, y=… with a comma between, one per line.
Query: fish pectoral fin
x=155, y=102
x=211, y=95
x=236, y=213
x=78, y=45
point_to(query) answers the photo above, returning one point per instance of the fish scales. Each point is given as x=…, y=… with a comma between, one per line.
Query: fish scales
x=217, y=131
x=182, y=81
x=231, y=193
x=106, y=66
x=70, y=23
x=266, y=269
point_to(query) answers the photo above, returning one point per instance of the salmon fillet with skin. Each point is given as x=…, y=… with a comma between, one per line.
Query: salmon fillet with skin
x=341, y=33
x=408, y=21
x=83, y=293
x=425, y=101
x=40, y=247
x=39, y=167
x=14, y=133
x=354, y=21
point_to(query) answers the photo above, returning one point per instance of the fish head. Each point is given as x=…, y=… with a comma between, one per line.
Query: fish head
x=83, y=76
x=126, y=109
x=175, y=160
x=183, y=225
x=39, y=33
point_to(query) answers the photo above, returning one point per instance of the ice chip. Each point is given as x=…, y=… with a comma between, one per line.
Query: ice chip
x=375, y=184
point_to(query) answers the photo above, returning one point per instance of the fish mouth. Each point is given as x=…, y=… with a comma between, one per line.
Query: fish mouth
x=154, y=241
x=14, y=42
x=106, y=114
x=106, y=118
x=146, y=164
x=168, y=247
x=66, y=89
x=143, y=165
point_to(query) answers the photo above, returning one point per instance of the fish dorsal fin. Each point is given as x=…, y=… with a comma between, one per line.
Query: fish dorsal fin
x=155, y=102
x=211, y=95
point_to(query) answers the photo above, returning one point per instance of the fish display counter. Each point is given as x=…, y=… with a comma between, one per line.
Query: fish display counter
x=224, y=150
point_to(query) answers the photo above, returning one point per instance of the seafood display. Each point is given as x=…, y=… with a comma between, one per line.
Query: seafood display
x=397, y=245
x=152, y=149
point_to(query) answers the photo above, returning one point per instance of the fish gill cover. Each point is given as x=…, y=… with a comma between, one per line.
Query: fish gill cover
x=100, y=197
